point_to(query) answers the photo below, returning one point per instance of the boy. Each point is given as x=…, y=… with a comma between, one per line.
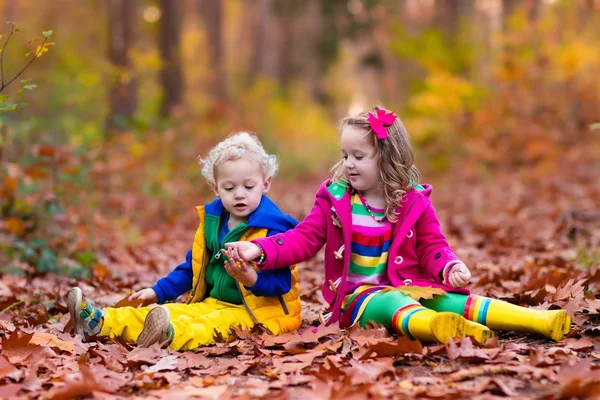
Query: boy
x=223, y=294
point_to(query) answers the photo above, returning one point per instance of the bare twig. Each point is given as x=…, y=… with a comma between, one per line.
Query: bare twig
x=12, y=305
x=41, y=48
x=12, y=31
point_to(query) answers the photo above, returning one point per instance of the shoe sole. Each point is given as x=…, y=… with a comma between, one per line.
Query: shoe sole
x=74, y=303
x=446, y=325
x=559, y=326
x=155, y=325
x=479, y=332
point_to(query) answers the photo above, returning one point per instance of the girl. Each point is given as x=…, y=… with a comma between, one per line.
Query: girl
x=381, y=234
x=240, y=172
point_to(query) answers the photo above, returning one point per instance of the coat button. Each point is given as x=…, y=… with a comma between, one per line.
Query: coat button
x=407, y=282
x=438, y=255
x=398, y=260
x=279, y=241
x=410, y=234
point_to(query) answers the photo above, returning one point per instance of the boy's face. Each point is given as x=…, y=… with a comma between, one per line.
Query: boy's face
x=240, y=184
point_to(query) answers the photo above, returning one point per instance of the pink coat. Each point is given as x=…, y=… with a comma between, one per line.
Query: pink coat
x=418, y=252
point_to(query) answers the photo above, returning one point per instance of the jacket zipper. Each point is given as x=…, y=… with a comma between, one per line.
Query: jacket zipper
x=283, y=305
x=249, y=310
x=193, y=293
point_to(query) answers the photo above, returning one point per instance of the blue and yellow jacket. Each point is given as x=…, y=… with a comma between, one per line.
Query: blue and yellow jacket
x=274, y=299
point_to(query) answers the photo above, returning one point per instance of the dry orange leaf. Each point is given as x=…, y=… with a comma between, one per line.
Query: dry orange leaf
x=418, y=292
x=14, y=225
x=35, y=172
x=11, y=185
x=48, y=339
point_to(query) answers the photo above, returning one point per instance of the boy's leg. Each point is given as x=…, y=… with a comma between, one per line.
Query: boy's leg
x=157, y=328
x=88, y=321
x=125, y=322
x=500, y=315
x=400, y=313
x=197, y=324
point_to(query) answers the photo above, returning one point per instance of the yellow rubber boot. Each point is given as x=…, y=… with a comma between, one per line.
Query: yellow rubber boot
x=430, y=326
x=447, y=325
x=500, y=315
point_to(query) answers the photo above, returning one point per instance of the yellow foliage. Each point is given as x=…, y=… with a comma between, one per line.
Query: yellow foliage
x=295, y=128
x=444, y=93
x=573, y=58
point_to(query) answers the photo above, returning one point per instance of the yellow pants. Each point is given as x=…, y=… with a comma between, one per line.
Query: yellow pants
x=194, y=324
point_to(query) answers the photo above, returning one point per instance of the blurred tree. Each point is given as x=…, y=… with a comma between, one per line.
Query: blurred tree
x=263, y=60
x=448, y=15
x=9, y=10
x=508, y=7
x=123, y=86
x=532, y=8
x=212, y=16
x=169, y=43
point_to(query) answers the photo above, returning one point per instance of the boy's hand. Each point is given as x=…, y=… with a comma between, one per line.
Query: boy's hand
x=246, y=251
x=148, y=295
x=459, y=275
x=238, y=268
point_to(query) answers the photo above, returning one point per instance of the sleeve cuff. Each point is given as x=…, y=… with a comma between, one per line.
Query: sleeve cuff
x=160, y=294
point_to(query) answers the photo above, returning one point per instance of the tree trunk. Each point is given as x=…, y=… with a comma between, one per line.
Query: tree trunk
x=9, y=11
x=212, y=13
x=446, y=16
x=122, y=85
x=264, y=56
x=508, y=7
x=171, y=75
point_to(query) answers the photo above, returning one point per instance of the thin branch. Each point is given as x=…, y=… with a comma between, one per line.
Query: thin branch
x=12, y=305
x=41, y=48
x=12, y=31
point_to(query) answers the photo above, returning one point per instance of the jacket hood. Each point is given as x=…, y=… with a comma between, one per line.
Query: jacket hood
x=267, y=215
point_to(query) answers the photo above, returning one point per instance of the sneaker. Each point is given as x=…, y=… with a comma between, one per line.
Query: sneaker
x=86, y=318
x=157, y=328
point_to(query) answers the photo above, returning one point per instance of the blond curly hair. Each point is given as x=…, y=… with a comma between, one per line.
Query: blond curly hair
x=395, y=161
x=236, y=146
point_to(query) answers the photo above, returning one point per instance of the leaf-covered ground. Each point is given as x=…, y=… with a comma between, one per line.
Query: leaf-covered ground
x=531, y=238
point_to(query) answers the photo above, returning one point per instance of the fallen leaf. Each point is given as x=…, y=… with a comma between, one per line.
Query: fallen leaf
x=368, y=371
x=167, y=363
x=48, y=339
x=83, y=383
x=389, y=347
x=466, y=351
x=6, y=367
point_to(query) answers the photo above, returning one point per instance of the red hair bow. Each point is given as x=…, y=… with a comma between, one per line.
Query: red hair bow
x=380, y=122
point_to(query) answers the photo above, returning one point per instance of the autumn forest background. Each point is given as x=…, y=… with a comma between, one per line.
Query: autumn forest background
x=106, y=104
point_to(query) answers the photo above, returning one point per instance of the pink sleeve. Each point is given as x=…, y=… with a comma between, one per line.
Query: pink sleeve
x=298, y=244
x=432, y=247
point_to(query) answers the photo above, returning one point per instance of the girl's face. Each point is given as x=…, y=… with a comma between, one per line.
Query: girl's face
x=360, y=160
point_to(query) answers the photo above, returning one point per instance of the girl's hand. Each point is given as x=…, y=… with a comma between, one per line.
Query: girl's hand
x=459, y=275
x=246, y=251
x=238, y=268
x=148, y=295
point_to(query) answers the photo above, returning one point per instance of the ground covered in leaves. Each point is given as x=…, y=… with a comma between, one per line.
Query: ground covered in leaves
x=530, y=238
